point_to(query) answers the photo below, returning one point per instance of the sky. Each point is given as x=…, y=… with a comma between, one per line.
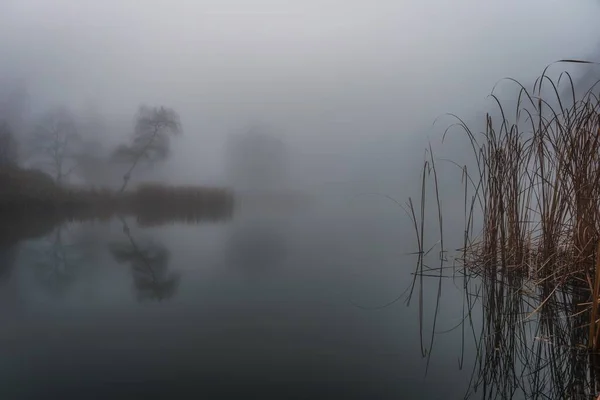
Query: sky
x=353, y=86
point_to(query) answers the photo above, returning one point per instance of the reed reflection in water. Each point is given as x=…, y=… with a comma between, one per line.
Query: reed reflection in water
x=531, y=341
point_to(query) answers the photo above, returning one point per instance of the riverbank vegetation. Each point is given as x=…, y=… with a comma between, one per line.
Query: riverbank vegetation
x=34, y=195
x=53, y=167
x=531, y=200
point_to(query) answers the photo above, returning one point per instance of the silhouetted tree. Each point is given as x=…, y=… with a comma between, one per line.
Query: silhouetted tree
x=150, y=143
x=55, y=143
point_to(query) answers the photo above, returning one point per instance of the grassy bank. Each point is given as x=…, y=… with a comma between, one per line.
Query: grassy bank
x=536, y=186
x=31, y=193
x=156, y=204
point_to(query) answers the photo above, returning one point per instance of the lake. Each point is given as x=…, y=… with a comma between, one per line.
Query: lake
x=271, y=303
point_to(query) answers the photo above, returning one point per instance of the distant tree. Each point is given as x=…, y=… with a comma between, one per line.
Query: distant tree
x=256, y=160
x=55, y=143
x=8, y=145
x=151, y=138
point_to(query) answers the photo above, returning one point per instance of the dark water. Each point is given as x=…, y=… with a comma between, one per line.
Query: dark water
x=280, y=304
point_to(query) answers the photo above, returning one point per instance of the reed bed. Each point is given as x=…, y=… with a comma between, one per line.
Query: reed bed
x=532, y=200
x=156, y=204
x=30, y=198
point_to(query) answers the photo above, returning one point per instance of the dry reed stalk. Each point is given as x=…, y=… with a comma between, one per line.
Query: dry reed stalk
x=537, y=186
x=593, y=339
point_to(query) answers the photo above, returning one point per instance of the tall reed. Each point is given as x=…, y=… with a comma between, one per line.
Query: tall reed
x=537, y=187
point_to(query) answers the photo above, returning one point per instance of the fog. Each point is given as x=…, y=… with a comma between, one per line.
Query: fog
x=318, y=102
x=352, y=87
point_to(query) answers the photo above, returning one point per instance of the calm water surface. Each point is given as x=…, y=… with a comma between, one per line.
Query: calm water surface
x=280, y=304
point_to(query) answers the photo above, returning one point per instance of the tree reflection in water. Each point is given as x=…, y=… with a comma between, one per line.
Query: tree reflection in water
x=149, y=262
x=60, y=258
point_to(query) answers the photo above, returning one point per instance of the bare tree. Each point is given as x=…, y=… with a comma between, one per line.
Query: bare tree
x=55, y=143
x=150, y=143
x=8, y=145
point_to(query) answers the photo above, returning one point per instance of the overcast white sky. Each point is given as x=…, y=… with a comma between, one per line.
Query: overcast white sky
x=344, y=76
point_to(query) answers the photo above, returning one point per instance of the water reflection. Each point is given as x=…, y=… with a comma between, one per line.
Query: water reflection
x=192, y=210
x=524, y=349
x=256, y=247
x=37, y=223
x=539, y=352
x=8, y=256
x=61, y=256
x=56, y=267
x=62, y=250
x=149, y=263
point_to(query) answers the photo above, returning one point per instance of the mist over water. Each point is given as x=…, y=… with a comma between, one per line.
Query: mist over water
x=352, y=88
x=309, y=111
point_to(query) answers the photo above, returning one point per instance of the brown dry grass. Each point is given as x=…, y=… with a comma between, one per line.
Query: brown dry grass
x=537, y=187
x=32, y=195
